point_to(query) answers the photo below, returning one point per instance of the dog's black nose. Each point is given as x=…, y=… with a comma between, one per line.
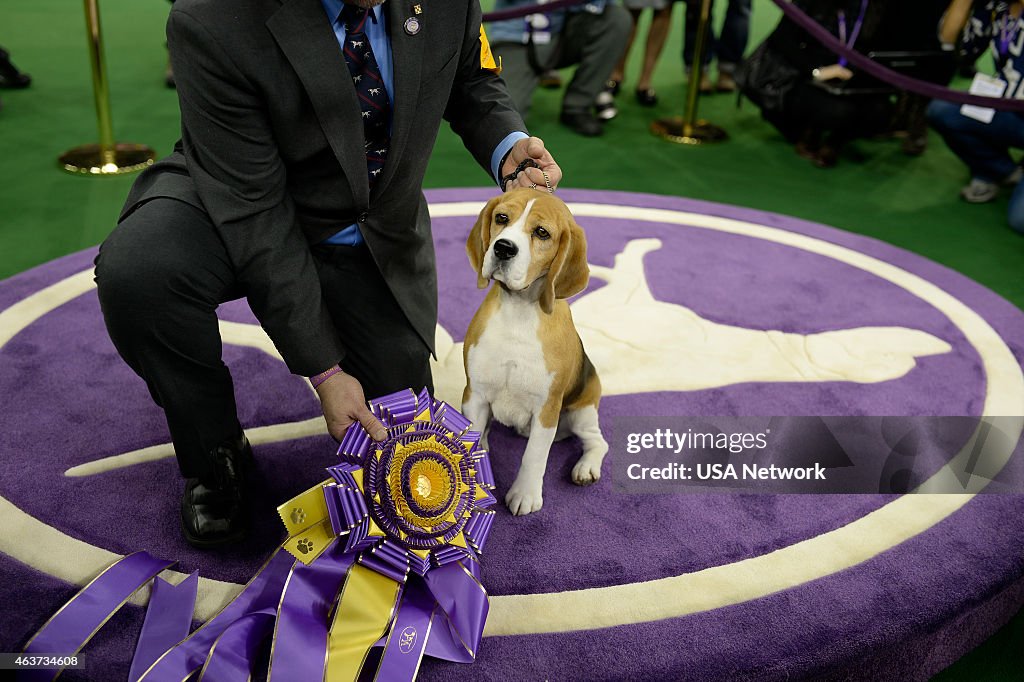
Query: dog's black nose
x=504, y=249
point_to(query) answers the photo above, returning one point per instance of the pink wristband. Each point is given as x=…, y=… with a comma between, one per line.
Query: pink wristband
x=324, y=376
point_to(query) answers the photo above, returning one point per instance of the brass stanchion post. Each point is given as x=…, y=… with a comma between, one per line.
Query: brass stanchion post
x=689, y=129
x=107, y=157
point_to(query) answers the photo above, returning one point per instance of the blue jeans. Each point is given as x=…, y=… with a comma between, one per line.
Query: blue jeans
x=731, y=43
x=984, y=147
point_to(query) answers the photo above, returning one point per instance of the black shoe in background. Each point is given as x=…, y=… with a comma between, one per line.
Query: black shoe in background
x=646, y=97
x=10, y=77
x=583, y=123
x=215, y=512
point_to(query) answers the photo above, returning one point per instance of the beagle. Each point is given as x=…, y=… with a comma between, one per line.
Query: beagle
x=525, y=363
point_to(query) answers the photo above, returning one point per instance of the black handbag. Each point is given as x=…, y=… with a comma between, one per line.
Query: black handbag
x=765, y=78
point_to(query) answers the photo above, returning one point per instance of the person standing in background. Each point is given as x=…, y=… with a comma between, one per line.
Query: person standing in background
x=728, y=47
x=661, y=22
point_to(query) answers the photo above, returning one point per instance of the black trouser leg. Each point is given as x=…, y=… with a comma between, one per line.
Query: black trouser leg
x=161, y=275
x=595, y=42
x=383, y=350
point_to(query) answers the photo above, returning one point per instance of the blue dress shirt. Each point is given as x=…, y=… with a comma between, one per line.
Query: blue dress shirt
x=377, y=34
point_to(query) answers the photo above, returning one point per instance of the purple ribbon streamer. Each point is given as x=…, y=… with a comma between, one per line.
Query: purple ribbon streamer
x=263, y=591
x=233, y=653
x=457, y=589
x=893, y=78
x=168, y=620
x=73, y=626
x=301, y=645
x=409, y=635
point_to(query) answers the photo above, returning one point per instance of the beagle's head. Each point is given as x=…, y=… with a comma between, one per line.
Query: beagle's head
x=525, y=235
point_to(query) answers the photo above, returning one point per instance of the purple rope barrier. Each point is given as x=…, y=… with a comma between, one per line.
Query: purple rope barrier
x=894, y=78
x=516, y=12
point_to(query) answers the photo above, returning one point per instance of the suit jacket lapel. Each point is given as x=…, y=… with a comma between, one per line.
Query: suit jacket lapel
x=407, y=57
x=304, y=33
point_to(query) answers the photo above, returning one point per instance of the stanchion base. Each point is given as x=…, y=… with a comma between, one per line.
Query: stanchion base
x=676, y=130
x=91, y=159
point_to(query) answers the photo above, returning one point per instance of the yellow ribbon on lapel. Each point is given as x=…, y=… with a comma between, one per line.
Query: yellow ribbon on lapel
x=486, y=56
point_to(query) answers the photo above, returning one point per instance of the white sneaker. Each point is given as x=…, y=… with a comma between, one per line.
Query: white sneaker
x=604, y=106
x=979, y=191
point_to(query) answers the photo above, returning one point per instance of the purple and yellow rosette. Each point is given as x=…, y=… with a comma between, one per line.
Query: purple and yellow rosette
x=385, y=554
x=408, y=515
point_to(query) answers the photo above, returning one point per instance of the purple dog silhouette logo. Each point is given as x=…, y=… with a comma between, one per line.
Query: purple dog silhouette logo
x=692, y=309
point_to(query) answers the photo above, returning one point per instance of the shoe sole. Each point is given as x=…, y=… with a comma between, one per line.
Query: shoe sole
x=976, y=200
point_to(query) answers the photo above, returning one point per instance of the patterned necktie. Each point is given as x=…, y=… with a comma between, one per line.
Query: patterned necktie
x=373, y=97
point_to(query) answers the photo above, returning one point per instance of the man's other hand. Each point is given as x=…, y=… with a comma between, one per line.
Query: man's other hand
x=531, y=148
x=344, y=404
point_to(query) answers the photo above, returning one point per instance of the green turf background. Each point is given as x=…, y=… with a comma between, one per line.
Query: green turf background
x=876, y=191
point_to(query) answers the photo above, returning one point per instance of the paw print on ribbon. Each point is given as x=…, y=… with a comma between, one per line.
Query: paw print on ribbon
x=305, y=546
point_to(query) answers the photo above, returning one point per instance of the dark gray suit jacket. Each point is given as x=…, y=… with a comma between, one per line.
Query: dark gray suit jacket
x=272, y=149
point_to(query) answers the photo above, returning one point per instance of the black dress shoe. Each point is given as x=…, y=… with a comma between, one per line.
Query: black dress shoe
x=646, y=97
x=10, y=77
x=583, y=123
x=214, y=512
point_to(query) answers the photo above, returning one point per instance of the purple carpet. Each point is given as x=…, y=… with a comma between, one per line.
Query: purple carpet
x=67, y=399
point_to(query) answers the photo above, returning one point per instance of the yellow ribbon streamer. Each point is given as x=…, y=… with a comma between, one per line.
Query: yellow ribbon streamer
x=361, y=617
x=306, y=518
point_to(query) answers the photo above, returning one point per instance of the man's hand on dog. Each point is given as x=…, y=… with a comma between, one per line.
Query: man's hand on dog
x=344, y=404
x=531, y=148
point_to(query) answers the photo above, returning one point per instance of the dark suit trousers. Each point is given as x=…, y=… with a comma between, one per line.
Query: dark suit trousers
x=161, y=275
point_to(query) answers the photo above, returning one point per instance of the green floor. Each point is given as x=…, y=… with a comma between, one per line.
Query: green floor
x=875, y=190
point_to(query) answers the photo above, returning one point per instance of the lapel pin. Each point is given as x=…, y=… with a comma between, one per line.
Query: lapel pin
x=412, y=26
x=417, y=9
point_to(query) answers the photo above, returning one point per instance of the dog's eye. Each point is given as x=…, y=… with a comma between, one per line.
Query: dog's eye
x=541, y=233
x=500, y=218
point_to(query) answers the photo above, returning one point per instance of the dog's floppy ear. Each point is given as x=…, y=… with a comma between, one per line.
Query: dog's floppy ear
x=479, y=240
x=569, y=272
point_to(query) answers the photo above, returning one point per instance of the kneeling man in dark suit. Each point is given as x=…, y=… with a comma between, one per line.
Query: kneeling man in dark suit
x=306, y=127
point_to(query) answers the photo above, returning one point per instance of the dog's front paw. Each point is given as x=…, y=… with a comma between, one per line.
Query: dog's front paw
x=524, y=499
x=587, y=470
